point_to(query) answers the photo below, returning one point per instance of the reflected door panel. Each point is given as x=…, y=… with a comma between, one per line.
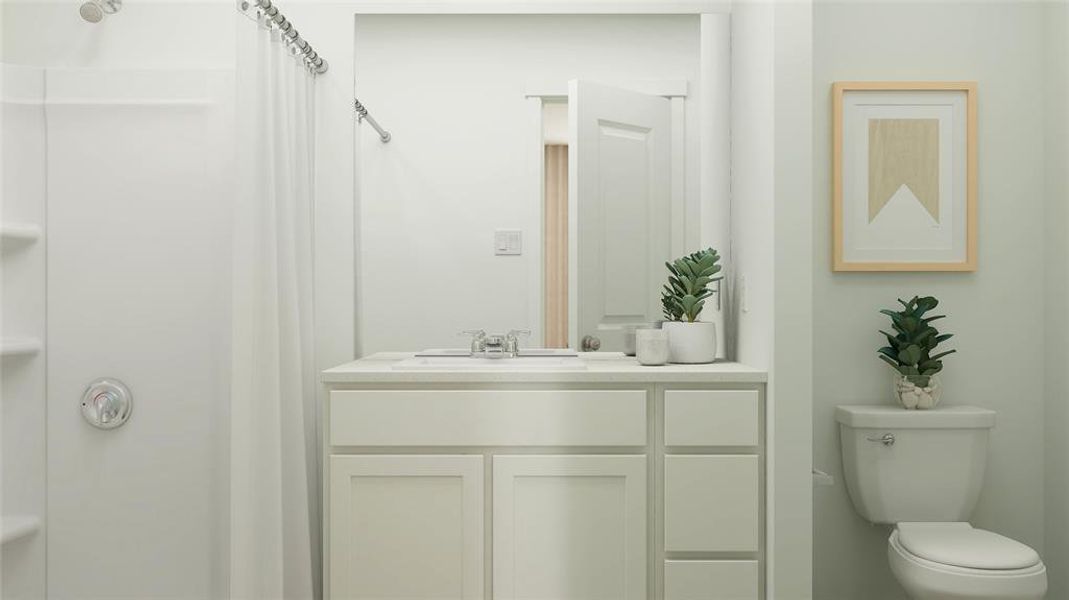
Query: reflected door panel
x=620, y=161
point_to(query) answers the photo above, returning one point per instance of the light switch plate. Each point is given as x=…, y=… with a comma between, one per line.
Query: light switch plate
x=508, y=242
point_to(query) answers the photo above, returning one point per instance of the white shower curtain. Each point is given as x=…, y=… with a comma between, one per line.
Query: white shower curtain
x=273, y=458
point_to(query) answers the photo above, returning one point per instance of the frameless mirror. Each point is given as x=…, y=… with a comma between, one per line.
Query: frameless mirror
x=542, y=168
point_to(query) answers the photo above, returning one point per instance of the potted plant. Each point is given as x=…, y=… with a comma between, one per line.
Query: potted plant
x=916, y=381
x=683, y=297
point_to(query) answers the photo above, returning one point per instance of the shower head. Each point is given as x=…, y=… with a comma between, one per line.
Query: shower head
x=91, y=12
x=94, y=11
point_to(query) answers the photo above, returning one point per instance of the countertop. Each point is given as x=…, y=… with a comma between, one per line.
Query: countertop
x=611, y=367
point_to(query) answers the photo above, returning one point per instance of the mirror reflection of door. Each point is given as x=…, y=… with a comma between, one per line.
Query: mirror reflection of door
x=608, y=228
x=555, y=222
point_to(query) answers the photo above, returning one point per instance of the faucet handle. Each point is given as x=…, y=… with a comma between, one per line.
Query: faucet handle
x=478, y=339
x=512, y=339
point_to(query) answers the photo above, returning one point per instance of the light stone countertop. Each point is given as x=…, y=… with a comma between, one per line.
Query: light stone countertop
x=607, y=367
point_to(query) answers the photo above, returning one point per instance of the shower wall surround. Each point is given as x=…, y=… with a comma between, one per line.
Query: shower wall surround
x=22, y=332
x=137, y=227
x=139, y=223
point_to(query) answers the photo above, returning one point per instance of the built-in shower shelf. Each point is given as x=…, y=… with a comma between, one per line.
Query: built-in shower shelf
x=19, y=346
x=18, y=234
x=16, y=527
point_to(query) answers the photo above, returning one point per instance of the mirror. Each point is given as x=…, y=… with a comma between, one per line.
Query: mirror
x=542, y=168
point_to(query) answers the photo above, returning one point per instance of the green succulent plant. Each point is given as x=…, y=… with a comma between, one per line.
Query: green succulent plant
x=684, y=295
x=909, y=349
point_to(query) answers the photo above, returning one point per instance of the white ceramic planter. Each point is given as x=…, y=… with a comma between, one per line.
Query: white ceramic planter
x=910, y=396
x=691, y=343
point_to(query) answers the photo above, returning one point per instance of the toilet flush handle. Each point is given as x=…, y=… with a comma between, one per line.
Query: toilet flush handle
x=887, y=439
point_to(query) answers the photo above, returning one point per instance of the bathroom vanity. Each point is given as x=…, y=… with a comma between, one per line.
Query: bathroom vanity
x=593, y=479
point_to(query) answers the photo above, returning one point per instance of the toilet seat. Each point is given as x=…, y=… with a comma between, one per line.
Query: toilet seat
x=926, y=579
x=960, y=545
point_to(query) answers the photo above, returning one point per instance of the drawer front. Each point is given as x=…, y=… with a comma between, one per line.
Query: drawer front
x=711, y=503
x=710, y=418
x=711, y=580
x=488, y=418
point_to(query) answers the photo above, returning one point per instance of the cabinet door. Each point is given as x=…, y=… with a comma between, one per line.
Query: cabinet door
x=570, y=527
x=406, y=527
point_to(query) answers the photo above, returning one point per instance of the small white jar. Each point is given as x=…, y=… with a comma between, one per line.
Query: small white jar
x=651, y=347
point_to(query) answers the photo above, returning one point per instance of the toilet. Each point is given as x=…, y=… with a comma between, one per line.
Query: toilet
x=921, y=471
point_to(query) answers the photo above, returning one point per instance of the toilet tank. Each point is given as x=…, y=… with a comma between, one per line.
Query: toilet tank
x=914, y=465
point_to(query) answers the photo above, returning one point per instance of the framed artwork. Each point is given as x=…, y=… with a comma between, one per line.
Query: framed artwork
x=904, y=176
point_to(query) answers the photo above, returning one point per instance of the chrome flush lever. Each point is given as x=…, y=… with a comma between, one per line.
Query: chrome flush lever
x=887, y=439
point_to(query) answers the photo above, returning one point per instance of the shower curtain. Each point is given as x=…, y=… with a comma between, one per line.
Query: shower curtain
x=273, y=457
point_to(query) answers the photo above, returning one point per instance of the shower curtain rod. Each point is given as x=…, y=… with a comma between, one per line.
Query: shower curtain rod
x=279, y=20
x=361, y=115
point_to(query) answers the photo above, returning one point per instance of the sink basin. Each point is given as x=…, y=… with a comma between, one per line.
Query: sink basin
x=536, y=359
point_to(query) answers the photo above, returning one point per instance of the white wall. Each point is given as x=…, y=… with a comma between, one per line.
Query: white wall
x=451, y=91
x=1056, y=250
x=770, y=275
x=752, y=182
x=138, y=221
x=790, y=378
x=996, y=312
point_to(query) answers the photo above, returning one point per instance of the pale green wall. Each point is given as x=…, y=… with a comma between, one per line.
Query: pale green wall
x=996, y=312
x=1057, y=259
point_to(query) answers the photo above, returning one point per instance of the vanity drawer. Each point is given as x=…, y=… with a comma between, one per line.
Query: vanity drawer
x=711, y=503
x=710, y=418
x=711, y=580
x=488, y=418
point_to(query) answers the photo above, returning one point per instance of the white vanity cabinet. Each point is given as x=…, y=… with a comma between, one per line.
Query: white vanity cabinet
x=614, y=483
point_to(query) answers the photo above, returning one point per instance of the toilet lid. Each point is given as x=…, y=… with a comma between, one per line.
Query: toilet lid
x=960, y=545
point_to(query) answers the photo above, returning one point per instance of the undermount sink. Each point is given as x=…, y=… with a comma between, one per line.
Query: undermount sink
x=534, y=359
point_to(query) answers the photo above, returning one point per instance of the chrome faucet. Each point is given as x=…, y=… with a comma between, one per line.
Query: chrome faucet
x=495, y=345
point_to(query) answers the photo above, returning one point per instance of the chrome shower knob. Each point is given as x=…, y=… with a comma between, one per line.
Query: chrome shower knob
x=107, y=403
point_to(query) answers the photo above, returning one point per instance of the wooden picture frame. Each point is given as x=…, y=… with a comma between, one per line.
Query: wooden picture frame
x=920, y=139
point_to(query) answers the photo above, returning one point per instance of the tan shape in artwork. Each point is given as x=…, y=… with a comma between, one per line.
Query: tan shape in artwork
x=904, y=152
